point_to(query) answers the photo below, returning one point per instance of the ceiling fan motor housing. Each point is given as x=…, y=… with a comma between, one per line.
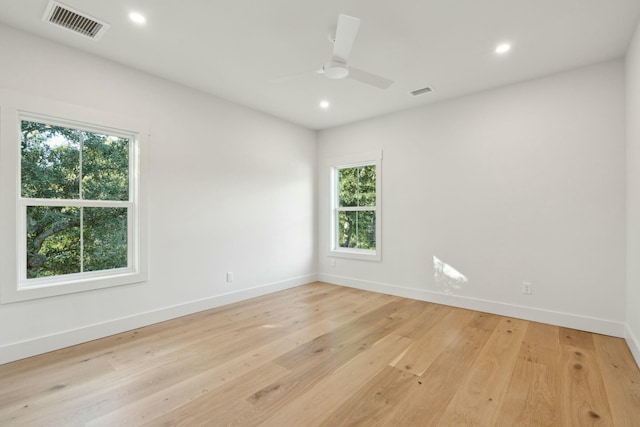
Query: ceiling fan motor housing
x=336, y=69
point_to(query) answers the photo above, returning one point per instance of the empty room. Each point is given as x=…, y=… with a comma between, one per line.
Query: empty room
x=295, y=213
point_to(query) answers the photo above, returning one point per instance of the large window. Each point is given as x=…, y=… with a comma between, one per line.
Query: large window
x=355, y=209
x=77, y=205
x=75, y=198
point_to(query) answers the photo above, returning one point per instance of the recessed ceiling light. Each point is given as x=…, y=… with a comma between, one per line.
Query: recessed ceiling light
x=324, y=104
x=137, y=18
x=503, y=48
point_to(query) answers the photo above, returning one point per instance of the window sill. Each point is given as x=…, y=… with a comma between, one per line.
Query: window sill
x=29, y=290
x=360, y=254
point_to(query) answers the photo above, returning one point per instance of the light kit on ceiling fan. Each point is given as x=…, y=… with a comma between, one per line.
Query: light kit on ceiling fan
x=335, y=70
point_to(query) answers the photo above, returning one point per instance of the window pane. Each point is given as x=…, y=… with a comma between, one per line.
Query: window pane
x=347, y=229
x=105, y=167
x=367, y=186
x=366, y=230
x=50, y=161
x=105, y=238
x=53, y=241
x=357, y=186
x=347, y=187
x=357, y=229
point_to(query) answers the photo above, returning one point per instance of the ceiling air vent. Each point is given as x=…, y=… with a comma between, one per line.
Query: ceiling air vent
x=76, y=21
x=417, y=92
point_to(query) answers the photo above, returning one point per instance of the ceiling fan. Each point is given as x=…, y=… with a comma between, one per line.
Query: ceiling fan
x=338, y=67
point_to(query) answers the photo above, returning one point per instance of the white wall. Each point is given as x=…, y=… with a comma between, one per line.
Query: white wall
x=230, y=189
x=522, y=183
x=633, y=195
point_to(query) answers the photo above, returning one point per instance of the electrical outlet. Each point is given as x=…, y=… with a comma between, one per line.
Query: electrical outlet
x=229, y=276
x=526, y=288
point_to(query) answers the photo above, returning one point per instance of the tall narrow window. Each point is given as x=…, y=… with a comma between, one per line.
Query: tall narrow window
x=356, y=201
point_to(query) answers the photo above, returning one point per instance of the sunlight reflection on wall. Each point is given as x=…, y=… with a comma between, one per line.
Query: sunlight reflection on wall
x=447, y=278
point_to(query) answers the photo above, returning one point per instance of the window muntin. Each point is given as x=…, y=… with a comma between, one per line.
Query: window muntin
x=76, y=202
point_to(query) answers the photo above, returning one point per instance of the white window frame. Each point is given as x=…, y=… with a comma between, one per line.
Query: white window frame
x=373, y=158
x=15, y=286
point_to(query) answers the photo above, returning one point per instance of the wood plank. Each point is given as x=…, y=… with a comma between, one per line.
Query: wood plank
x=223, y=405
x=532, y=393
x=374, y=400
x=437, y=386
x=371, y=326
x=305, y=410
x=582, y=396
x=621, y=379
x=429, y=316
x=428, y=347
x=480, y=395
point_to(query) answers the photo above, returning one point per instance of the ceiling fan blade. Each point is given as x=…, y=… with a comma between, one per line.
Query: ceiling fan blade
x=290, y=77
x=368, y=78
x=345, y=36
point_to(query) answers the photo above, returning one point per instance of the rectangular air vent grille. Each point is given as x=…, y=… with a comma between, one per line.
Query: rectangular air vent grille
x=74, y=20
x=417, y=92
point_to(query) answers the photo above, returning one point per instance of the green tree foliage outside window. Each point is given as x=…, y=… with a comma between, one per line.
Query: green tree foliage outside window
x=357, y=207
x=64, y=164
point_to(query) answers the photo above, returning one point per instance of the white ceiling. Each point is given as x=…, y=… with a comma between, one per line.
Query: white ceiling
x=235, y=49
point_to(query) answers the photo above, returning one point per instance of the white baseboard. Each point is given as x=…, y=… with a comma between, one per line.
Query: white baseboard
x=634, y=344
x=32, y=347
x=568, y=320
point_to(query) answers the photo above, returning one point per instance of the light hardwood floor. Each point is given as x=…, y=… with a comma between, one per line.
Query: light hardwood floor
x=330, y=356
